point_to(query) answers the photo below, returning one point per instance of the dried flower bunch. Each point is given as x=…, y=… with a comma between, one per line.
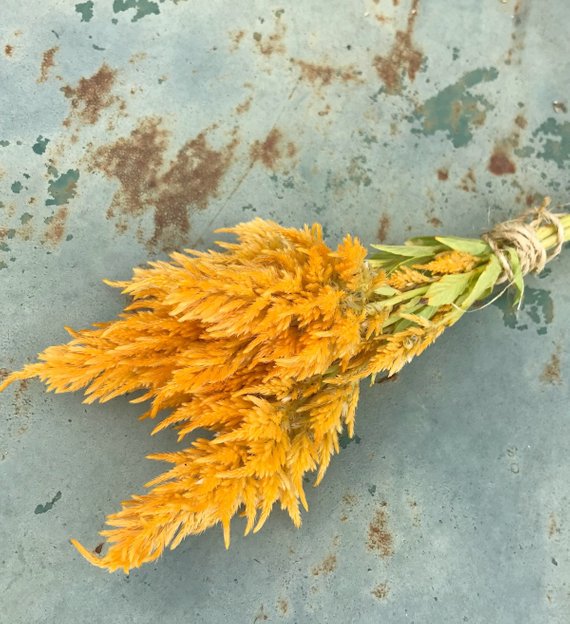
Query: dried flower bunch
x=264, y=344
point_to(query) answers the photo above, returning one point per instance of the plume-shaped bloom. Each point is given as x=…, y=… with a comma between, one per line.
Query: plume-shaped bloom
x=262, y=344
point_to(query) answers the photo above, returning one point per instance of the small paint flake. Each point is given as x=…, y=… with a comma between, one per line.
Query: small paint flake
x=40, y=145
x=4, y=246
x=63, y=188
x=96, y=47
x=16, y=187
x=85, y=9
x=4, y=143
x=26, y=217
x=40, y=509
x=69, y=237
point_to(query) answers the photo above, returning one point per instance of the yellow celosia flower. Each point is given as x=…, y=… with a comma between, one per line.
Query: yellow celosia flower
x=262, y=344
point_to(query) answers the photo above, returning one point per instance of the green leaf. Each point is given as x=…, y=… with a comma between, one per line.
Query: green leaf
x=386, y=291
x=485, y=282
x=518, y=278
x=447, y=289
x=473, y=246
x=424, y=241
x=409, y=251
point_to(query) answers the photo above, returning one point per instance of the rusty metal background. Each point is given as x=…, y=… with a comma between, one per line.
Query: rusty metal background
x=132, y=127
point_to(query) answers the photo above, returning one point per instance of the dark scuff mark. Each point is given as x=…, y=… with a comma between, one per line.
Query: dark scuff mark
x=91, y=96
x=40, y=509
x=47, y=63
x=402, y=59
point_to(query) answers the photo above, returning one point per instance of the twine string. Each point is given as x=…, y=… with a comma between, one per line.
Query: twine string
x=521, y=235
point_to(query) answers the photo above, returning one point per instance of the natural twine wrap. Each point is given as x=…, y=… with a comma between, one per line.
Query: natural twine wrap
x=521, y=235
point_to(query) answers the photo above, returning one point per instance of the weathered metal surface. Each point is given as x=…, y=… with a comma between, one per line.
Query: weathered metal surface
x=132, y=127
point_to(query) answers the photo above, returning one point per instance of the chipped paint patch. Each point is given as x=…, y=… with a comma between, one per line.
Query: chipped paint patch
x=91, y=96
x=537, y=307
x=62, y=188
x=455, y=110
x=555, y=141
x=55, y=227
x=85, y=9
x=142, y=8
x=47, y=63
x=272, y=43
x=39, y=147
x=16, y=187
x=40, y=509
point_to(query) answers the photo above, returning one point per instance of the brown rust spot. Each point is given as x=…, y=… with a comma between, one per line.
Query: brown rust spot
x=435, y=222
x=56, y=227
x=326, y=110
x=47, y=63
x=383, y=227
x=521, y=121
x=236, y=38
x=327, y=566
x=8, y=50
x=171, y=189
x=553, y=528
x=500, y=163
x=551, y=373
x=381, y=591
x=468, y=182
x=403, y=57
x=324, y=75
x=91, y=95
x=244, y=106
x=283, y=606
x=97, y=550
x=379, y=538
x=443, y=174
x=272, y=150
x=272, y=43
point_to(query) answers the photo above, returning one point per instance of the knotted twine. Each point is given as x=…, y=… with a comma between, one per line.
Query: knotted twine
x=521, y=234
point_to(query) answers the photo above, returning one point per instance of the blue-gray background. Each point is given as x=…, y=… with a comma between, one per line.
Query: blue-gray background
x=132, y=127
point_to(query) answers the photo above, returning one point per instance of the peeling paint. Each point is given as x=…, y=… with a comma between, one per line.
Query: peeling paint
x=40, y=509
x=85, y=9
x=142, y=8
x=555, y=137
x=47, y=63
x=62, y=188
x=537, y=307
x=40, y=145
x=455, y=110
x=91, y=96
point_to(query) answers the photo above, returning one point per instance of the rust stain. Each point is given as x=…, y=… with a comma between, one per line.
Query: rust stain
x=383, y=227
x=47, y=63
x=327, y=566
x=236, y=38
x=381, y=591
x=324, y=75
x=8, y=50
x=272, y=150
x=551, y=373
x=553, y=528
x=99, y=548
x=244, y=106
x=379, y=537
x=91, y=95
x=468, y=182
x=443, y=174
x=500, y=162
x=435, y=222
x=272, y=43
x=326, y=110
x=171, y=189
x=403, y=57
x=521, y=121
x=283, y=606
x=20, y=400
x=55, y=230
x=137, y=57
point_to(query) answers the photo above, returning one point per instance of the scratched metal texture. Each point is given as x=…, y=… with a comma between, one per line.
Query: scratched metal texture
x=132, y=127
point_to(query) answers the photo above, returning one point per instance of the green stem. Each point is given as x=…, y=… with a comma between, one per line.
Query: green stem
x=548, y=235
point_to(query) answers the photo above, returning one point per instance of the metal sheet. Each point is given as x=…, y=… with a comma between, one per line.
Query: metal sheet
x=132, y=127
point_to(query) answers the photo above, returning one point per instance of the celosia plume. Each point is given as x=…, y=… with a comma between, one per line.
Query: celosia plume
x=262, y=344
